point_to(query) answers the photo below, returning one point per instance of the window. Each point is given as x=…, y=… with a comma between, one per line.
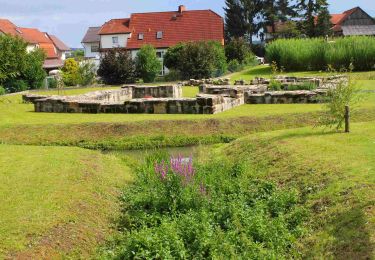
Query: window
x=94, y=48
x=115, y=40
x=140, y=36
x=159, y=35
x=159, y=54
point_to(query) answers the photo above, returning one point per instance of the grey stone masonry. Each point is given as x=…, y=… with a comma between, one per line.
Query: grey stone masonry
x=211, y=99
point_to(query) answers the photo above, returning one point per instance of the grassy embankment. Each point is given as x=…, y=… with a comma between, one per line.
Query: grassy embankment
x=335, y=174
x=334, y=171
x=56, y=201
x=20, y=125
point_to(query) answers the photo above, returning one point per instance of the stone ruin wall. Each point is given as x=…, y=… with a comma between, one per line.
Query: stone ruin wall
x=131, y=99
x=168, y=99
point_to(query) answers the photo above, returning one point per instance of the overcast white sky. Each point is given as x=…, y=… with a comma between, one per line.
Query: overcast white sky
x=69, y=19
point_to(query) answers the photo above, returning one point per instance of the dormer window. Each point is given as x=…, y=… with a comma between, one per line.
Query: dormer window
x=115, y=40
x=159, y=35
x=140, y=36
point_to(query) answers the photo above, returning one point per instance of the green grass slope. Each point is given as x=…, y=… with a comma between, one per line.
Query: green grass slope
x=56, y=201
x=335, y=173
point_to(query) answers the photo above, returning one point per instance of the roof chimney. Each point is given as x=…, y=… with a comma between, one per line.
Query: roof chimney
x=181, y=9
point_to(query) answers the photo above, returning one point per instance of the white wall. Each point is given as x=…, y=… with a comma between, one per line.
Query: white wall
x=88, y=53
x=163, y=51
x=106, y=41
x=31, y=47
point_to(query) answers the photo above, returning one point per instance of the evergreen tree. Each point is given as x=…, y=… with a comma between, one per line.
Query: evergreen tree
x=243, y=18
x=235, y=25
x=324, y=25
x=310, y=9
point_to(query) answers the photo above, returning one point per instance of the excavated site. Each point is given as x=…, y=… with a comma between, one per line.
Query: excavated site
x=214, y=96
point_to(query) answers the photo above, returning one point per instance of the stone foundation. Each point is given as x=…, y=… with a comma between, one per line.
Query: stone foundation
x=168, y=99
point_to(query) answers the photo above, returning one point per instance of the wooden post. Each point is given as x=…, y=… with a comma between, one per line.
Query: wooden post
x=347, y=119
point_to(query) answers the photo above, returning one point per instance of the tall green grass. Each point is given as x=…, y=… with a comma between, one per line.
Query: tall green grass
x=356, y=53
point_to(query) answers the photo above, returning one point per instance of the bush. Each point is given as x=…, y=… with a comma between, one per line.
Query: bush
x=275, y=85
x=34, y=74
x=70, y=72
x=347, y=53
x=148, y=66
x=12, y=57
x=239, y=49
x=15, y=85
x=337, y=98
x=2, y=91
x=172, y=57
x=197, y=59
x=172, y=75
x=234, y=66
x=117, y=67
x=86, y=72
x=176, y=209
x=52, y=82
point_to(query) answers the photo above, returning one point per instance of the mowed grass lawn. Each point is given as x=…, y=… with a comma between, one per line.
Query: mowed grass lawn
x=14, y=112
x=335, y=172
x=56, y=201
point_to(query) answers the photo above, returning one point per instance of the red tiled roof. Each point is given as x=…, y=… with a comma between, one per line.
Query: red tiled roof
x=49, y=49
x=116, y=26
x=34, y=36
x=58, y=43
x=8, y=27
x=337, y=19
x=176, y=27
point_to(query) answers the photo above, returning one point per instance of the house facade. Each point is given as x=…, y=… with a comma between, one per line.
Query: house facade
x=353, y=22
x=54, y=48
x=349, y=23
x=159, y=29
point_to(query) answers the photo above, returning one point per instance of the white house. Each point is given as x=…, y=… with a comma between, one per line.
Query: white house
x=159, y=29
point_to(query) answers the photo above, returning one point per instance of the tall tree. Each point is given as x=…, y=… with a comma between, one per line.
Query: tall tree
x=235, y=24
x=243, y=18
x=324, y=24
x=310, y=9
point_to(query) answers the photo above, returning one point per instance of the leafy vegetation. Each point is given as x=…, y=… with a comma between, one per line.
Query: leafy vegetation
x=70, y=72
x=20, y=70
x=147, y=64
x=343, y=54
x=117, y=67
x=176, y=209
x=345, y=94
x=197, y=59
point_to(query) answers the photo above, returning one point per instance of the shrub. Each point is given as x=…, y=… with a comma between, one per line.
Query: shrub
x=52, y=82
x=70, y=72
x=34, y=74
x=234, y=66
x=12, y=57
x=148, y=66
x=347, y=53
x=239, y=49
x=197, y=59
x=337, y=98
x=275, y=85
x=178, y=209
x=2, y=91
x=172, y=57
x=117, y=67
x=86, y=72
x=173, y=75
x=15, y=85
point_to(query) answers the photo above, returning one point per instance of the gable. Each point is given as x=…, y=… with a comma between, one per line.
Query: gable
x=358, y=17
